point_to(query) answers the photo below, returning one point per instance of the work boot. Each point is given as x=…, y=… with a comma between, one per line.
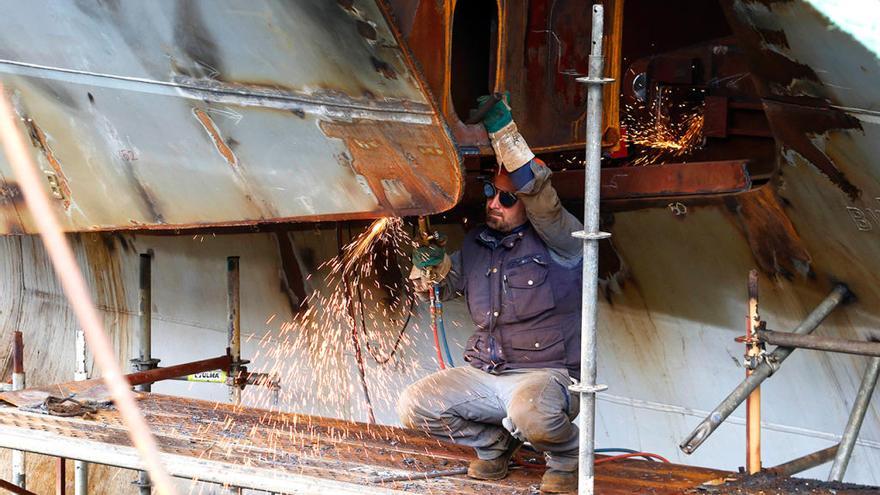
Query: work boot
x=493, y=469
x=555, y=481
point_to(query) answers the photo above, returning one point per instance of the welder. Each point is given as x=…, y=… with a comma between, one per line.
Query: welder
x=521, y=276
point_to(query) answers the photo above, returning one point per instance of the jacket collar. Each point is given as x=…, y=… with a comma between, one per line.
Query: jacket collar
x=492, y=238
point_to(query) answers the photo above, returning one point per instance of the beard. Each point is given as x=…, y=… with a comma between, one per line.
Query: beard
x=495, y=219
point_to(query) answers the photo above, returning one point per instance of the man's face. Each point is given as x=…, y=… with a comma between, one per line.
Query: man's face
x=499, y=217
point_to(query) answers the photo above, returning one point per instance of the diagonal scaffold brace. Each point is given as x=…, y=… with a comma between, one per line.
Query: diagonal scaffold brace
x=591, y=235
x=762, y=371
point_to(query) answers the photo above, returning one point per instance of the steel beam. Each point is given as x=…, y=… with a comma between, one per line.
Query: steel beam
x=763, y=371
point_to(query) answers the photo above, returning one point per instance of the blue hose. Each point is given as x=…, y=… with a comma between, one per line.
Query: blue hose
x=438, y=311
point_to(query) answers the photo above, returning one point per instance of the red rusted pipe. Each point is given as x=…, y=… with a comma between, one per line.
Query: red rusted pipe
x=17, y=353
x=10, y=487
x=60, y=476
x=753, y=402
x=159, y=374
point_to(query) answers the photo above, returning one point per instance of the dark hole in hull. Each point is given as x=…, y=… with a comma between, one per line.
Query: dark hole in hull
x=474, y=46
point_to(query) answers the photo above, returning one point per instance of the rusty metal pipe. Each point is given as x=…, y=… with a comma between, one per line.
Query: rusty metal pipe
x=60, y=476
x=159, y=374
x=820, y=343
x=13, y=488
x=17, y=354
x=801, y=464
x=856, y=417
x=753, y=402
x=19, y=476
x=761, y=373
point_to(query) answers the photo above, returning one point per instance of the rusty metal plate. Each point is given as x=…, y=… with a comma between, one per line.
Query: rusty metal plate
x=657, y=181
x=166, y=114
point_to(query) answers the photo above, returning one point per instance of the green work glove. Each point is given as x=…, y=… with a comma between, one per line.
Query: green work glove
x=499, y=115
x=430, y=255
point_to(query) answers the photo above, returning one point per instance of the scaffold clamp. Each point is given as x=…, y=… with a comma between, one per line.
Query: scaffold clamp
x=587, y=389
x=595, y=80
x=591, y=236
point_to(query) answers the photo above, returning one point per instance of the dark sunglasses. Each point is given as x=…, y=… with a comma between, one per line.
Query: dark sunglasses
x=507, y=199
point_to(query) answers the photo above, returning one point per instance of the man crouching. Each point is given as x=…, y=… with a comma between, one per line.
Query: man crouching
x=521, y=276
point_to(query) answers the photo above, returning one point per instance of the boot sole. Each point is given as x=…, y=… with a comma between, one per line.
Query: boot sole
x=488, y=477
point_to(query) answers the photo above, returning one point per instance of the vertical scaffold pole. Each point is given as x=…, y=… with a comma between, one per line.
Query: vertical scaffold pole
x=81, y=468
x=144, y=360
x=233, y=330
x=18, y=383
x=591, y=235
x=753, y=403
x=233, y=325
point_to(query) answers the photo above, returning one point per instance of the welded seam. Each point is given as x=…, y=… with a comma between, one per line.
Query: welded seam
x=697, y=413
x=220, y=93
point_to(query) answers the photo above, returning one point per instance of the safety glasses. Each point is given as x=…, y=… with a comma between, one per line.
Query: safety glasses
x=507, y=199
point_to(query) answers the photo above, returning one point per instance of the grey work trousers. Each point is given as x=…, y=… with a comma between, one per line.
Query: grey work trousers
x=487, y=411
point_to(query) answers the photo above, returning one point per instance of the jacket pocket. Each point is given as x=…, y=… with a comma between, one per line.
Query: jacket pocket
x=528, y=289
x=540, y=347
x=475, y=348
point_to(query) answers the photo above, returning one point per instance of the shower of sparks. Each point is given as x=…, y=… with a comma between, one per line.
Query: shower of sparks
x=314, y=352
x=660, y=136
x=313, y=355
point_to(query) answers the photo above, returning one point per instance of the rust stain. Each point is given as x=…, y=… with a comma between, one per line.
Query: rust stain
x=223, y=147
x=775, y=244
x=385, y=154
x=214, y=133
x=105, y=268
x=796, y=127
x=58, y=181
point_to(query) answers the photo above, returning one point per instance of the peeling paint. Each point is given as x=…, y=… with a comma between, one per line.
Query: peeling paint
x=801, y=129
x=214, y=133
x=57, y=180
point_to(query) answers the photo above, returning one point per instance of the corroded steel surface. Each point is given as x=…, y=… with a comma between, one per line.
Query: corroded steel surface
x=168, y=114
x=277, y=444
